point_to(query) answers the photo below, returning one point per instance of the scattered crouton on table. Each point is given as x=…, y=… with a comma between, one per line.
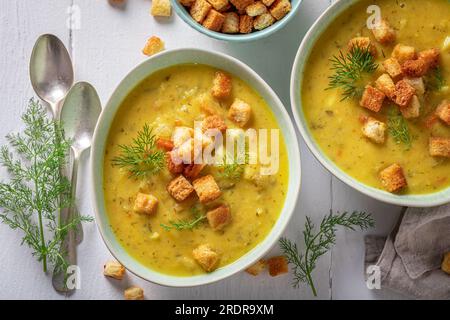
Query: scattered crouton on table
x=114, y=269
x=277, y=266
x=134, y=293
x=161, y=8
x=257, y=268
x=153, y=46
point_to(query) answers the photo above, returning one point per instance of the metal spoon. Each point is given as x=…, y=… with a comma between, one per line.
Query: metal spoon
x=79, y=116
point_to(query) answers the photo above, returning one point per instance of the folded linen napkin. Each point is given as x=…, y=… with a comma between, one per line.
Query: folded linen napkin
x=410, y=258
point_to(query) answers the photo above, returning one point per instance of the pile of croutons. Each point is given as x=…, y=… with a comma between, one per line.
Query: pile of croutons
x=237, y=16
x=402, y=84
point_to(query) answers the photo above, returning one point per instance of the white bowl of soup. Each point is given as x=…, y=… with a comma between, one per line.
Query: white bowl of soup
x=370, y=94
x=185, y=223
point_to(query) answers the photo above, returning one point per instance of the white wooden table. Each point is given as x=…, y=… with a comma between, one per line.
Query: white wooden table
x=105, y=46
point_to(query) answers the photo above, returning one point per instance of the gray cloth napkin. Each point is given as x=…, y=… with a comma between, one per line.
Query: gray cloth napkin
x=410, y=258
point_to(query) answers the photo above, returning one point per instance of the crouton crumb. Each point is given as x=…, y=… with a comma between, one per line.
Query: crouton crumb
x=134, y=293
x=257, y=268
x=153, y=46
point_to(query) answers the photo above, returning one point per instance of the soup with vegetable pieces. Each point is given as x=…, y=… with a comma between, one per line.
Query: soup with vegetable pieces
x=186, y=218
x=376, y=94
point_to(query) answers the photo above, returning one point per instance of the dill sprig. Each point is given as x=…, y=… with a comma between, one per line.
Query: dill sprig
x=233, y=170
x=349, y=70
x=141, y=158
x=317, y=243
x=36, y=190
x=186, y=224
x=398, y=127
x=435, y=81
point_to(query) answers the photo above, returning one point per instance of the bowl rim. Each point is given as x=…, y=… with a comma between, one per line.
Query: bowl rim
x=253, y=36
x=97, y=157
x=312, y=36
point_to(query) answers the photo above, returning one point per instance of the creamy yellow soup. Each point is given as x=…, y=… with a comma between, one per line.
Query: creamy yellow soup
x=177, y=97
x=336, y=125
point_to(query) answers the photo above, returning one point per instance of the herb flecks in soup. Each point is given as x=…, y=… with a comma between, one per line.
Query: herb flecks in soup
x=183, y=218
x=377, y=100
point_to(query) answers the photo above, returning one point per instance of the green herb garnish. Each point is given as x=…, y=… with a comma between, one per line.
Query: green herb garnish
x=232, y=171
x=36, y=190
x=349, y=71
x=435, y=81
x=141, y=158
x=398, y=127
x=186, y=225
x=319, y=243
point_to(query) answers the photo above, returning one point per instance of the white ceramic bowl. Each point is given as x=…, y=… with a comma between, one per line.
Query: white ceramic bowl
x=239, y=69
x=310, y=39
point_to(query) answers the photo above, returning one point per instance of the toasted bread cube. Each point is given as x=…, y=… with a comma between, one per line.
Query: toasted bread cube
x=114, y=269
x=134, y=293
x=418, y=84
x=440, y=147
x=280, y=8
x=256, y=9
x=412, y=110
x=443, y=111
x=240, y=112
x=386, y=85
x=214, y=122
x=257, y=268
x=372, y=99
x=362, y=43
x=164, y=144
x=161, y=8
x=393, y=68
x=145, y=204
x=207, y=189
x=187, y=3
x=267, y=3
x=153, y=46
x=404, y=92
x=403, y=53
x=430, y=58
x=241, y=4
x=206, y=257
x=446, y=263
x=277, y=266
x=219, y=218
x=393, y=178
x=180, y=189
x=181, y=134
x=219, y=5
x=231, y=23
x=192, y=170
x=174, y=164
x=384, y=33
x=263, y=21
x=199, y=10
x=222, y=83
x=415, y=68
x=375, y=130
x=245, y=24
x=214, y=20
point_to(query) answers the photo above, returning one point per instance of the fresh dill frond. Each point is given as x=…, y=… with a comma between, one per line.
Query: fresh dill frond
x=36, y=190
x=349, y=71
x=319, y=242
x=398, y=127
x=232, y=171
x=435, y=81
x=141, y=158
x=186, y=224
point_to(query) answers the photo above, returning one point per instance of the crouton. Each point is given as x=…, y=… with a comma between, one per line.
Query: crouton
x=231, y=23
x=268, y=3
x=386, y=85
x=199, y=10
x=414, y=68
x=187, y=3
x=393, y=68
x=445, y=266
x=418, y=84
x=117, y=3
x=134, y=293
x=219, y=218
x=214, y=20
x=404, y=92
x=263, y=21
x=161, y=8
x=214, y=122
x=145, y=204
x=277, y=266
x=256, y=9
x=430, y=58
x=164, y=144
x=362, y=43
x=240, y=112
x=174, y=163
x=257, y=268
x=153, y=46
x=412, y=110
x=222, y=84
x=181, y=134
x=372, y=99
x=403, y=53
x=114, y=269
x=241, y=4
x=439, y=147
x=375, y=130
x=384, y=33
x=192, y=170
x=280, y=8
x=179, y=188
x=219, y=5
x=245, y=24
x=207, y=189
x=393, y=178
x=443, y=111
x=206, y=257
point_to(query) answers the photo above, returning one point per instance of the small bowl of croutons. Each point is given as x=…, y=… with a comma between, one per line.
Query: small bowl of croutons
x=236, y=20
